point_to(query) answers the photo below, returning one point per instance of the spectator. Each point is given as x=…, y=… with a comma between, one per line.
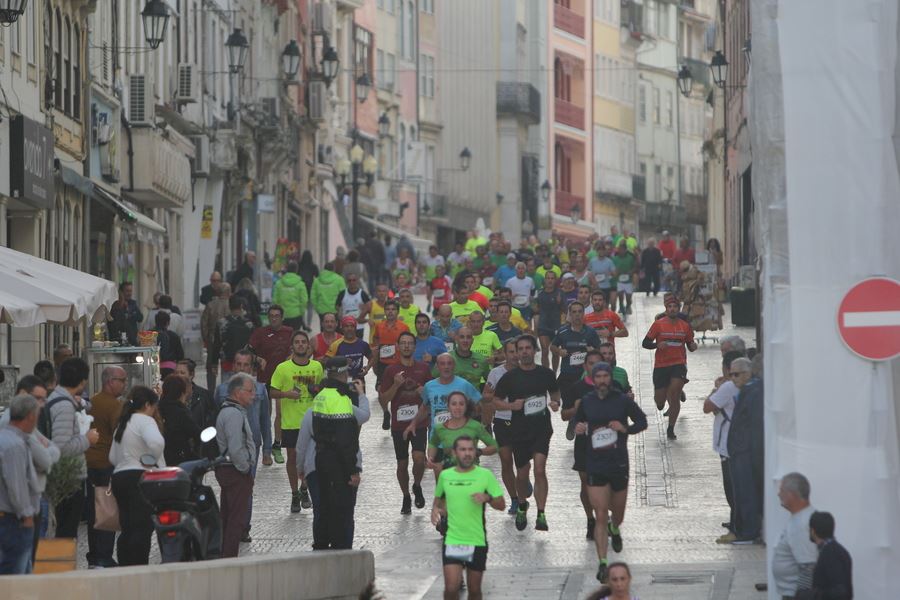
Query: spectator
x=19, y=499
x=715, y=252
x=170, y=349
x=181, y=433
x=745, y=447
x=217, y=309
x=794, y=558
x=63, y=407
x=200, y=402
x=684, y=253
x=308, y=272
x=325, y=290
x=246, y=291
x=731, y=343
x=833, y=574
x=292, y=294
x=136, y=434
x=245, y=271
x=176, y=322
x=61, y=353
x=125, y=316
x=105, y=408
x=46, y=372
x=208, y=292
x=232, y=334
x=667, y=246
x=651, y=264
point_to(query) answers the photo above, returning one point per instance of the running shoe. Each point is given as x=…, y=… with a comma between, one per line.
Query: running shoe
x=603, y=573
x=513, y=506
x=670, y=433
x=615, y=536
x=386, y=421
x=522, y=516
x=570, y=430
x=530, y=490
x=743, y=541
x=540, y=523
x=277, y=455
x=420, y=498
x=591, y=523
x=305, y=502
x=295, y=502
x=407, y=506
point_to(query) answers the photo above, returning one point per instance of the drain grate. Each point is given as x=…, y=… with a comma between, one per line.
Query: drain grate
x=681, y=578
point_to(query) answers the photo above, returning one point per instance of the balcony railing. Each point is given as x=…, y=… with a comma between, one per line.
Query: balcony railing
x=568, y=20
x=519, y=99
x=569, y=114
x=565, y=201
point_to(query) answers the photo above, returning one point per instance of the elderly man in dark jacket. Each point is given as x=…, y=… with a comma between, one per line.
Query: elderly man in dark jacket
x=746, y=451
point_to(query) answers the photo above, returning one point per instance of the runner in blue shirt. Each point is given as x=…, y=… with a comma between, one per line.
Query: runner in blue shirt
x=428, y=347
x=436, y=391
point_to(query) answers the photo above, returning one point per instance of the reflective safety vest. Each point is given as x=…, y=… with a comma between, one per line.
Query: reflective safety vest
x=331, y=404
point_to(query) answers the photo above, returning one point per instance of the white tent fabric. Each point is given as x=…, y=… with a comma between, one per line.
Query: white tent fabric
x=60, y=294
x=824, y=108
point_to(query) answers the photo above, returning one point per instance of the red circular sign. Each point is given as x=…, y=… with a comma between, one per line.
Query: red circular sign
x=869, y=318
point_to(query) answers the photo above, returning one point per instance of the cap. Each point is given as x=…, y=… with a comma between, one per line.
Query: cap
x=348, y=320
x=601, y=366
x=671, y=299
x=568, y=275
x=336, y=364
x=511, y=255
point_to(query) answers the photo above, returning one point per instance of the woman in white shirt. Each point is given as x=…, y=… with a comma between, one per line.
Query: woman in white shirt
x=137, y=434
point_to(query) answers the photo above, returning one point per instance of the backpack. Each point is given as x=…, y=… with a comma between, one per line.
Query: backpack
x=210, y=449
x=45, y=421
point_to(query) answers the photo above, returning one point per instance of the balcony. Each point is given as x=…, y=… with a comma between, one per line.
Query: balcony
x=665, y=215
x=521, y=100
x=568, y=113
x=568, y=20
x=565, y=201
x=161, y=167
x=639, y=187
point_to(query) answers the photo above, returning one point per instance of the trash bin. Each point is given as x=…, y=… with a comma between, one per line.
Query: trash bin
x=743, y=307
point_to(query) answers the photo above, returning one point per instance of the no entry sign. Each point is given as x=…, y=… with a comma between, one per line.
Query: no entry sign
x=869, y=318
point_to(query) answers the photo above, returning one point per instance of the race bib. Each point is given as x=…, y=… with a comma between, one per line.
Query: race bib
x=351, y=312
x=438, y=293
x=387, y=351
x=503, y=415
x=520, y=300
x=601, y=277
x=577, y=358
x=488, y=281
x=603, y=438
x=441, y=418
x=448, y=346
x=407, y=413
x=674, y=344
x=535, y=405
x=624, y=278
x=459, y=552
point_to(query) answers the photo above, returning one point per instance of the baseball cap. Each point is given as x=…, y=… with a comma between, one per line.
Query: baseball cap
x=511, y=255
x=336, y=364
x=601, y=366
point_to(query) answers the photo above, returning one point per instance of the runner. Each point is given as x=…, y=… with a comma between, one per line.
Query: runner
x=407, y=311
x=604, y=270
x=484, y=342
x=481, y=294
x=470, y=366
x=670, y=336
x=501, y=422
x=400, y=395
x=354, y=302
x=602, y=417
x=329, y=334
x=430, y=262
x=619, y=375
x=524, y=391
x=502, y=327
x=462, y=306
x=505, y=271
x=460, y=496
x=626, y=267
x=548, y=306
x=505, y=294
x=355, y=349
x=459, y=424
x=291, y=388
x=457, y=259
x=428, y=347
x=272, y=344
x=384, y=347
x=376, y=315
x=445, y=326
x=439, y=290
x=607, y=323
x=571, y=343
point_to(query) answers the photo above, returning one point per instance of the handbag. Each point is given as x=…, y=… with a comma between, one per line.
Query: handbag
x=106, y=509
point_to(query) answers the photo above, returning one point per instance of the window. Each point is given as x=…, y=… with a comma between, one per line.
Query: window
x=669, y=109
x=380, y=79
x=31, y=34
x=656, y=106
x=14, y=45
x=390, y=66
x=651, y=15
x=57, y=62
x=562, y=82
x=409, y=25
x=362, y=51
x=76, y=73
x=657, y=183
x=48, y=53
x=563, y=170
x=670, y=180
x=67, y=69
x=426, y=84
x=427, y=6
x=402, y=151
x=642, y=103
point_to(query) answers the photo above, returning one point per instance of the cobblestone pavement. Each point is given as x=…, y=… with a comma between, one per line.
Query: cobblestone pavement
x=675, y=507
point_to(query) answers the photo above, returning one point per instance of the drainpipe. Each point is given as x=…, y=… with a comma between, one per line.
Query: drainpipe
x=127, y=127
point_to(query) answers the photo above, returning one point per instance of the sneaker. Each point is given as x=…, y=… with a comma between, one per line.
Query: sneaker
x=530, y=490
x=420, y=499
x=245, y=538
x=295, y=502
x=407, y=506
x=726, y=538
x=603, y=573
x=540, y=523
x=591, y=523
x=670, y=433
x=570, y=430
x=305, y=502
x=615, y=536
x=522, y=516
x=386, y=421
x=277, y=455
x=513, y=506
x=743, y=541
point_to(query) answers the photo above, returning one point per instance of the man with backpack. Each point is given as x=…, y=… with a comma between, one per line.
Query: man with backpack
x=232, y=334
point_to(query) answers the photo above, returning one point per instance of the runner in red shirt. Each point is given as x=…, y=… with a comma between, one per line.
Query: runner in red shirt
x=607, y=323
x=323, y=341
x=670, y=336
x=384, y=347
x=272, y=345
x=440, y=289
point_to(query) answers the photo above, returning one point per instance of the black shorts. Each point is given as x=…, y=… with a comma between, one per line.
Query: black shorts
x=527, y=444
x=478, y=562
x=289, y=438
x=663, y=375
x=401, y=445
x=618, y=481
x=542, y=332
x=580, y=454
x=379, y=369
x=503, y=432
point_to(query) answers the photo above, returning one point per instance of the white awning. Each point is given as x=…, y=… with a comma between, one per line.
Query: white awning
x=147, y=229
x=36, y=291
x=420, y=244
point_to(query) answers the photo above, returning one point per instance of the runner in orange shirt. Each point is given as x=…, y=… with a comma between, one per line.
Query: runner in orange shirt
x=384, y=347
x=607, y=323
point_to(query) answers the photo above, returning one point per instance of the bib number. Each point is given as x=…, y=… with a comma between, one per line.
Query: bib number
x=674, y=344
x=460, y=552
x=577, y=358
x=503, y=415
x=488, y=281
x=407, y=413
x=438, y=293
x=535, y=405
x=351, y=312
x=600, y=277
x=624, y=278
x=441, y=418
x=448, y=346
x=387, y=351
x=604, y=438
x=520, y=300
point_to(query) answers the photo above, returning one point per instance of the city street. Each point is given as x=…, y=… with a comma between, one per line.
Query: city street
x=675, y=508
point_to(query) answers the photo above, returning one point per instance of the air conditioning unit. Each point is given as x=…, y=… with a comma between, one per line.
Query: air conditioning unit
x=269, y=108
x=322, y=18
x=200, y=163
x=188, y=83
x=141, y=105
x=318, y=96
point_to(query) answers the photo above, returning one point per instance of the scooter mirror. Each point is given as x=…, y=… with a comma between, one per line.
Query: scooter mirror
x=208, y=434
x=148, y=460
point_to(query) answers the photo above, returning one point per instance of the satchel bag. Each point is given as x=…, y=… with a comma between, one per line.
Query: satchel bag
x=106, y=509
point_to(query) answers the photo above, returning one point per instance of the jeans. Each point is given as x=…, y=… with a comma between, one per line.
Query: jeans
x=333, y=504
x=100, y=543
x=135, y=516
x=68, y=514
x=237, y=489
x=45, y=516
x=747, y=506
x=16, y=543
x=250, y=503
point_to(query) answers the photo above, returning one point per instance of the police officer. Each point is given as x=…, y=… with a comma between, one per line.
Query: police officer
x=328, y=450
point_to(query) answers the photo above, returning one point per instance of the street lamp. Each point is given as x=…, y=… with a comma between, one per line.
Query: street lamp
x=719, y=67
x=330, y=63
x=356, y=170
x=290, y=59
x=11, y=10
x=546, y=188
x=465, y=158
x=384, y=125
x=685, y=81
x=237, y=46
x=363, y=85
x=155, y=17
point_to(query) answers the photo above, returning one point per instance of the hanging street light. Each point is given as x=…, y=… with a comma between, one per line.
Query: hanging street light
x=330, y=62
x=290, y=59
x=465, y=159
x=155, y=17
x=384, y=125
x=363, y=85
x=237, y=46
x=685, y=81
x=11, y=10
x=719, y=67
x=545, y=190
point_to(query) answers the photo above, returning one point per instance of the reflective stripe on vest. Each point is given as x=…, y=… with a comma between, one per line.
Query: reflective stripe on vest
x=331, y=404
